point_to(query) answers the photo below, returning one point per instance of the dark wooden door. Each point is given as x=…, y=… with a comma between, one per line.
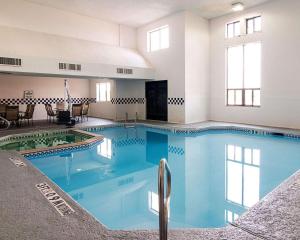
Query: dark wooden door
x=157, y=100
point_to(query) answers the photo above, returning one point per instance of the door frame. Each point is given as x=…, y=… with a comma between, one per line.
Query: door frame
x=167, y=92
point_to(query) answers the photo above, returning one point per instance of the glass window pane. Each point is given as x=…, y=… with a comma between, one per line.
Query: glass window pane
x=237, y=29
x=230, y=97
x=248, y=97
x=102, y=92
x=230, y=30
x=165, y=37
x=154, y=40
x=234, y=182
x=252, y=66
x=256, y=97
x=238, y=97
x=257, y=24
x=251, y=185
x=250, y=23
x=238, y=154
x=230, y=152
x=108, y=92
x=97, y=92
x=248, y=155
x=256, y=157
x=235, y=67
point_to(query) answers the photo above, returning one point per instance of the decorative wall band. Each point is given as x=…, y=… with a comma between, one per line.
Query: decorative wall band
x=128, y=100
x=16, y=101
x=175, y=101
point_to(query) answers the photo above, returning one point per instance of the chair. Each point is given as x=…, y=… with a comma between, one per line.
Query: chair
x=60, y=106
x=77, y=111
x=50, y=112
x=12, y=114
x=85, y=110
x=28, y=113
x=2, y=110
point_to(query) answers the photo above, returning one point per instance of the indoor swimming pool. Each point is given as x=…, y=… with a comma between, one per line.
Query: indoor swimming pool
x=216, y=175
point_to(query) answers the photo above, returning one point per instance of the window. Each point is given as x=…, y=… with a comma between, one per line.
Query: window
x=103, y=92
x=242, y=176
x=253, y=24
x=158, y=39
x=230, y=216
x=244, y=75
x=104, y=148
x=153, y=202
x=233, y=29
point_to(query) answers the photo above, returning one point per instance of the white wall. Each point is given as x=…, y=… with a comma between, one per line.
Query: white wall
x=196, y=68
x=280, y=37
x=13, y=87
x=39, y=18
x=42, y=36
x=168, y=63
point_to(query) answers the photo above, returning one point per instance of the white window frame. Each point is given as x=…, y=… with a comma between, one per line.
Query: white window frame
x=106, y=97
x=242, y=90
x=254, y=28
x=234, y=33
x=160, y=39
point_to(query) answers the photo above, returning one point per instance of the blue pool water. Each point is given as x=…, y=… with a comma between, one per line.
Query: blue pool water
x=216, y=175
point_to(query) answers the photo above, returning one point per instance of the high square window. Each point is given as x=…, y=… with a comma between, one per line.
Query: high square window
x=103, y=92
x=233, y=29
x=253, y=24
x=244, y=75
x=158, y=39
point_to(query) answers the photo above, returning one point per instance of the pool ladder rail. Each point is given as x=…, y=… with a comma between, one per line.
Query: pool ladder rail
x=164, y=202
x=127, y=125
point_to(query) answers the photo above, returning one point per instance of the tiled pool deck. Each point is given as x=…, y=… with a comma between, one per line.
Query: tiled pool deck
x=26, y=214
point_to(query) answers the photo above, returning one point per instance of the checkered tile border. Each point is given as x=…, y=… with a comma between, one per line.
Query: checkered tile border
x=175, y=101
x=16, y=101
x=128, y=100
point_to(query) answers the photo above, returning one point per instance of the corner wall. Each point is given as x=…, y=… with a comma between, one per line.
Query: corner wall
x=127, y=96
x=168, y=63
x=280, y=37
x=185, y=64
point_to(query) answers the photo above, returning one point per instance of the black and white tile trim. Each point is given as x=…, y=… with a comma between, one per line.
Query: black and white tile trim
x=129, y=141
x=16, y=101
x=175, y=101
x=175, y=150
x=128, y=100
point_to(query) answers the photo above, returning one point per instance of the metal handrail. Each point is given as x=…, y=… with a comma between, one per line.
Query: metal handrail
x=5, y=120
x=164, y=203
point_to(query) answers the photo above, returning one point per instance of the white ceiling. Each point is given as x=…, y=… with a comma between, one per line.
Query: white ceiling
x=139, y=12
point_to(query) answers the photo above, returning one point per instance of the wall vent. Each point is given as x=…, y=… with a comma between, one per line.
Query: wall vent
x=124, y=70
x=17, y=62
x=69, y=66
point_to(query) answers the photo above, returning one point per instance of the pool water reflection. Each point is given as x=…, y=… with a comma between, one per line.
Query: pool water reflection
x=216, y=176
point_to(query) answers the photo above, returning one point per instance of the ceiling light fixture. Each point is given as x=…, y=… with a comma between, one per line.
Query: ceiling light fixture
x=237, y=6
